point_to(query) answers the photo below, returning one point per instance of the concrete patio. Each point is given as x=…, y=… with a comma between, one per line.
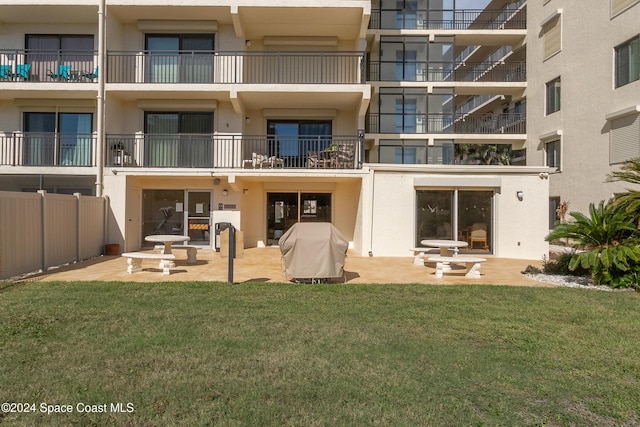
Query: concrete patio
x=264, y=265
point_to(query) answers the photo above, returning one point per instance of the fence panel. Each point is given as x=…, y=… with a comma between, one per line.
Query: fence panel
x=21, y=236
x=39, y=231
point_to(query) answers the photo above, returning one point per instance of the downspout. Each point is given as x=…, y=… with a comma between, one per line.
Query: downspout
x=100, y=142
x=372, y=178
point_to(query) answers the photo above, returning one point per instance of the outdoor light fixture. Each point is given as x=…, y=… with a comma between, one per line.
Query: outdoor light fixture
x=520, y=195
x=247, y=119
x=216, y=181
x=225, y=192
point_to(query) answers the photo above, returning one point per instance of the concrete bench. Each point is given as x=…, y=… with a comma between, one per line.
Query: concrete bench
x=192, y=251
x=443, y=264
x=418, y=254
x=134, y=261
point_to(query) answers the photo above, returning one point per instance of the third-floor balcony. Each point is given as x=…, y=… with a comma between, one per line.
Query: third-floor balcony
x=391, y=17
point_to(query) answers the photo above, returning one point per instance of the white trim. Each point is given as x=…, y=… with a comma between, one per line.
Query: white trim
x=458, y=182
x=551, y=17
x=159, y=25
x=635, y=109
x=178, y=104
x=554, y=134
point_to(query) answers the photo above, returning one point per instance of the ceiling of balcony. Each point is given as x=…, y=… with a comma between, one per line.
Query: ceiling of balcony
x=341, y=22
x=49, y=14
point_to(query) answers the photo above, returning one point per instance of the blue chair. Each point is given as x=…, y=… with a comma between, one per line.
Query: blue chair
x=92, y=76
x=22, y=71
x=5, y=71
x=62, y=74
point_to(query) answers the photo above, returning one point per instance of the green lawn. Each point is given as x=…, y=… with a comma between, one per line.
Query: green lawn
x=319, y=355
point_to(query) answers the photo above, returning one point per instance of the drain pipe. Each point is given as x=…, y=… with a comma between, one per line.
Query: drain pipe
x=100, y=142
x=372, y=178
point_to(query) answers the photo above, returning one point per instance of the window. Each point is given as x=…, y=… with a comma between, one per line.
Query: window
x=553, y=96
x=628, y=62
x=552, y=34
x=178, y=139
x=552, y=152
x=58, y=139
x=286, y=209
x=554, y=204
x=415, y=111
x=458, y=214
x=47, y=53
x=624, y=138
x=183, y=58
x=292, y=140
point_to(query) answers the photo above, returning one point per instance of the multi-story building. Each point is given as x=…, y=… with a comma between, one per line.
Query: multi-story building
x=396, y=121
x=583, y=96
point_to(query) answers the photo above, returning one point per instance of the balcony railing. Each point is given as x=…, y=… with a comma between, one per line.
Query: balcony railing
x=47, y=65
x=486, y=124
x=234, y=151
x=185, y=67
x=448, y=19
x=448, y=71
x=236, y=67
x=47, y=149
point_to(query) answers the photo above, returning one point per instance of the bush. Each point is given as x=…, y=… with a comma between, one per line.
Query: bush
x=560, y=265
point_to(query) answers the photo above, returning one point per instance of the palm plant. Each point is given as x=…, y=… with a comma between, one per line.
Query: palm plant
x=606, y=242
x=630, y=201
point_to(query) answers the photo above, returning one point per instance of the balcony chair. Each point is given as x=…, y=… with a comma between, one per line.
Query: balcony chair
x=62, y=74
x=314, y=161
x=345, y=156
x=91, y=76
x=5, y=71
x=22, y=72
x=478, y=235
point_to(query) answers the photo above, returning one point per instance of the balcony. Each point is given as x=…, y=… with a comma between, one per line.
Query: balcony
x=235, y=152
x=448, y=71
x=186, y=67
x=47, y=149
x=448, y=19
x=236, y=67
x=483, y=124
x=47, y=66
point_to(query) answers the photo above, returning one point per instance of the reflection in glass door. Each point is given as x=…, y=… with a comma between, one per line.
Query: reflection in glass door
x=198, y=217
x=285, y=209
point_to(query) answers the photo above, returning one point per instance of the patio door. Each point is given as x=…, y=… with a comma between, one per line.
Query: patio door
x=285, y=209
x=198, y=214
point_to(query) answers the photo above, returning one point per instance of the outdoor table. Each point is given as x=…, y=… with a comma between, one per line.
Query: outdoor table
x=444, y=246
x=168, y=240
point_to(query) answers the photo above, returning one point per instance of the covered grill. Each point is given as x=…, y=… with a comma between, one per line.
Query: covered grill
x=313, y=250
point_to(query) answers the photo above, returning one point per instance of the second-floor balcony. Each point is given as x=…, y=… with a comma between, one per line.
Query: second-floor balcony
x=170, y=67
x=484, y=124
x=184, y=151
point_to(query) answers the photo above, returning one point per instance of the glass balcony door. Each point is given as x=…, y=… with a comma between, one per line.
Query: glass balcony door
x=74, y=144
x=184, y=58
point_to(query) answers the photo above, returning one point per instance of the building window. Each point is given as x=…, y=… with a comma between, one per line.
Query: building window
x=415, y=152
x=553, y=96
x=624, y=138
x=552, y=153
x=414, y=111
x=552, y=35
x=628, y=62
x=554, y=204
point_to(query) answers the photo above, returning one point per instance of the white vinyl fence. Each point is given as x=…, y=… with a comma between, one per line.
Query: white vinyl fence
x=41, y=230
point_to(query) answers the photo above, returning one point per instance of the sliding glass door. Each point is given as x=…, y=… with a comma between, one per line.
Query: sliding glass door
x=179, y=139
x=456, y=214
x=58, y=139
x=180, y=58
x=285, y=209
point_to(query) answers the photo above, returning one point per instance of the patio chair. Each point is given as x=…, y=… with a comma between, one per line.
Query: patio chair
x=5, y=71
x=478, y=235
x=22, y=71
x=91, y=76
x=62, y=74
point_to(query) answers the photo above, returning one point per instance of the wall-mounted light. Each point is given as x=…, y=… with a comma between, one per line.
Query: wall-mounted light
x=245, y=191
x=544, y=175
x=225, y=192
x=520, y=195
x=216, y=181
x=247, y=42
x=247, y=119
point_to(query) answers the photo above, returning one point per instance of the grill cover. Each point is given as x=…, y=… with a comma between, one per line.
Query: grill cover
x=313, y=250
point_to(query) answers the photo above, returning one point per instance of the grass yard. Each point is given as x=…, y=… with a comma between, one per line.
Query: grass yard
x=318, y=355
